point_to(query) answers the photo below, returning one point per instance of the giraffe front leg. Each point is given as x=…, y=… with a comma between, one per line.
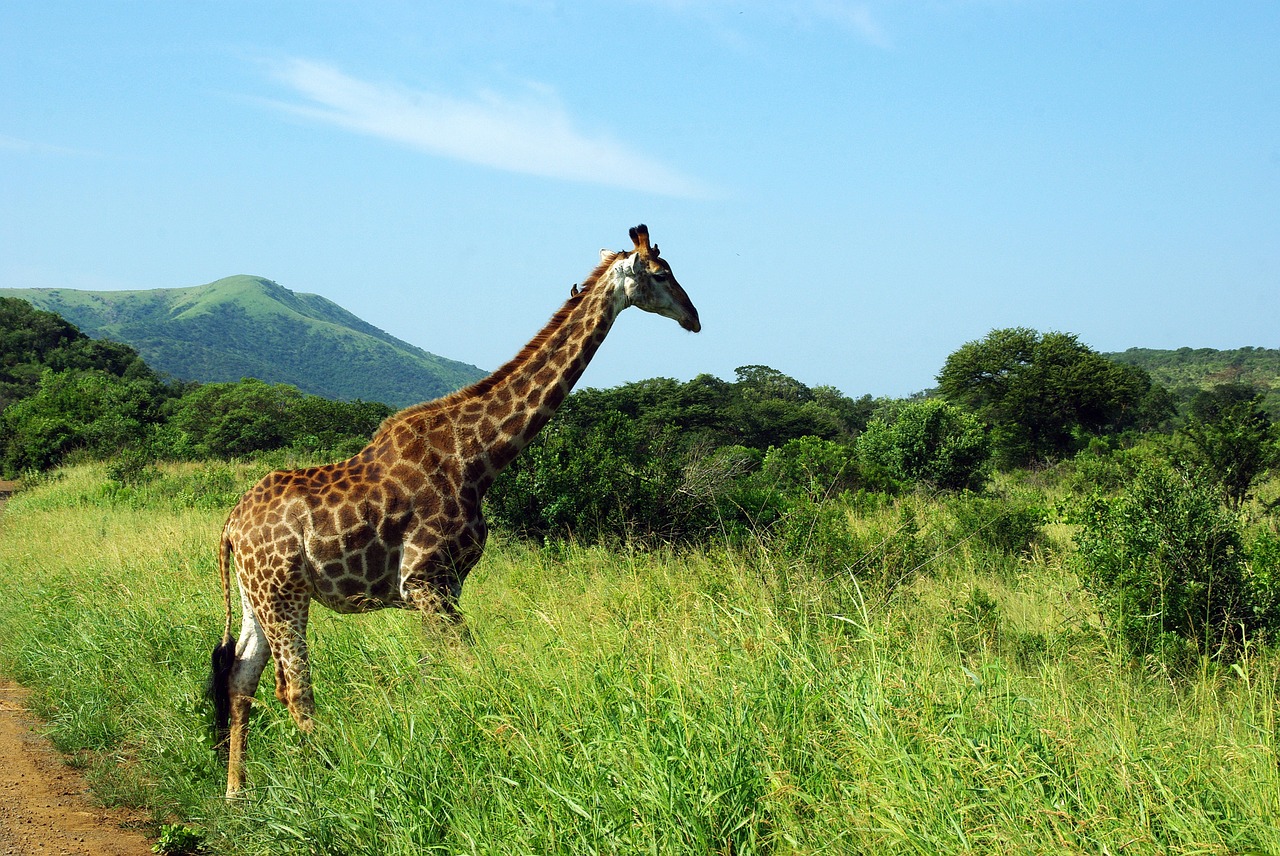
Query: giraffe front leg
x=293, y=668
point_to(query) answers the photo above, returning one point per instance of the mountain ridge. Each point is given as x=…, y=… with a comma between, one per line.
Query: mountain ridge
x=249, y=326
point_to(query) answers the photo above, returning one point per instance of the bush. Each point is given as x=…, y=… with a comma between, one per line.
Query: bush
x=812, y=467
x=928, y=441
x=1009, y=526
x=1167, y=565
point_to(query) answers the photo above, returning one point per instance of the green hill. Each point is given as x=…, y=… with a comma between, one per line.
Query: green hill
x=246, y=326
x=1187, y=370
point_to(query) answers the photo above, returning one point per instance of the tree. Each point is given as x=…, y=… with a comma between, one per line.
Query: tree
x=1043, y=393
x=1233, y=443
x=928, y=441
x=1166, y=562
x=75, y=410
x=225, y=420
x=32, y=340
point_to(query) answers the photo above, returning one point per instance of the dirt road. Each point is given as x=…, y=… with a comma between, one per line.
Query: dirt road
x=44, y=805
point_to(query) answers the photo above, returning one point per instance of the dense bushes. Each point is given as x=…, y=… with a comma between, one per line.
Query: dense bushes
x=928, y=441
x=1172, y=569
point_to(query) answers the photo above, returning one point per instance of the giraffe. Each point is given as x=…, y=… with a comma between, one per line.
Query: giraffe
x=400, y=523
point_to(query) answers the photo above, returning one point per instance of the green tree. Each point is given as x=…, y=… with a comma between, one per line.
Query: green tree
x=226, y=420
x=817, y=468
x=76, y=410
x=1043, y=394
x=929, y=441
x=1166, y=562
x=321, y=424
x=32, y=340
x=1233, y=444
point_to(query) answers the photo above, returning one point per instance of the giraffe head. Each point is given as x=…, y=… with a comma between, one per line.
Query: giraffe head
x=649, y=283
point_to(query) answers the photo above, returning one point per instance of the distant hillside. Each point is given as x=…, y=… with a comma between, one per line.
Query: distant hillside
x=1188, y=369
x=245, y=326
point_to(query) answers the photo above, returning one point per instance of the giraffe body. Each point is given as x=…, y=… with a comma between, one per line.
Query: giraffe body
x=400, y=523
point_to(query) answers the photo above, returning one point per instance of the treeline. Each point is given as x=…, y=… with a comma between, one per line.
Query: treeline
x=66, y=396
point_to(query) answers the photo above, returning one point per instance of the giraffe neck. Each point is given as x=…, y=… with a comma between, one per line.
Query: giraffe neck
x=529, y=390
x=481, y=429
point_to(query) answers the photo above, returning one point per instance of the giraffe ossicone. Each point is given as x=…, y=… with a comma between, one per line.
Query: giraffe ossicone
x=400, y=523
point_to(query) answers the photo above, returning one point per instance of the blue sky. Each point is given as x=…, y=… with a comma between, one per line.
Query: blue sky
x=848, y=191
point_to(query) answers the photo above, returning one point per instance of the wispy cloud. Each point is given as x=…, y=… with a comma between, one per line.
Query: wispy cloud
x=531, y=134
x=29, y=147
x=855, y=17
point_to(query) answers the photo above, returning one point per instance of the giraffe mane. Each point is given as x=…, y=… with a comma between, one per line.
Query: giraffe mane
x=484, y=385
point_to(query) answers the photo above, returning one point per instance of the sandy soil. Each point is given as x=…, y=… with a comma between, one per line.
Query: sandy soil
x=45, y=809
x=44, y=806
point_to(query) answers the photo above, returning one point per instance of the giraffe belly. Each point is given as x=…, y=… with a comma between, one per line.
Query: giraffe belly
x=355, y=572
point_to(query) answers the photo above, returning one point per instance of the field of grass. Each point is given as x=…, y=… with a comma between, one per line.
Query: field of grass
x=722, y=701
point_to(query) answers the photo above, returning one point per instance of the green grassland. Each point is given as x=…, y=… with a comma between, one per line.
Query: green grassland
x=938, y=695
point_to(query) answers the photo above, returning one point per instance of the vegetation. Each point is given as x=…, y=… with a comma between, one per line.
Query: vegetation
x=753, y=700
x=1185, y=372
x=245, y=326
x=743, y=616
x=1044, y=394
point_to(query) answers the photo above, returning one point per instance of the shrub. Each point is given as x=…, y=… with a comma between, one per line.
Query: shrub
x=1165, y=562
x=811, y=466
x=1009, y=526
x=928, y=441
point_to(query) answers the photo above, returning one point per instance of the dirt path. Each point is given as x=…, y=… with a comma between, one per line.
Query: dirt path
x=44, y=805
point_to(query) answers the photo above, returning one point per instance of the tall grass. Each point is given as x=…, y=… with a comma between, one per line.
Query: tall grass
x=613, y=701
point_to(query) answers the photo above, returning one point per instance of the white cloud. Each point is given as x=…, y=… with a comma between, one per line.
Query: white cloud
x=852, y=16
x=28, y=147
x=532, y=134
x=856, y=17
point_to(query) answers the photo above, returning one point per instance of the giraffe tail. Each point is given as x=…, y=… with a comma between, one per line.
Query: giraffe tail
x=224, y=655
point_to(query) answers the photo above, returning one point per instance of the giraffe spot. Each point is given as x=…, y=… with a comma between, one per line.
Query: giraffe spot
x=501, y=410
x=450, y=508
x=546, y=377
x=442, y=439
x=347, y=518
x=352, y=587
x=531, y=430
x=513, y=426
x=487, y=431
x=429, y=505
x=376, y=556
x=554, y=397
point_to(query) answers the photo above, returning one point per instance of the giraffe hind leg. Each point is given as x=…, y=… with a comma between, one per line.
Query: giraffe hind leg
x=251, y=654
